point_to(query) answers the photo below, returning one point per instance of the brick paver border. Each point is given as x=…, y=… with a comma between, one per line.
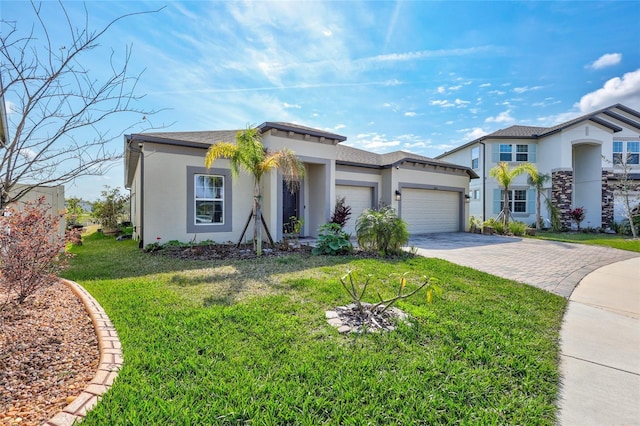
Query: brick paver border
x=110, y=361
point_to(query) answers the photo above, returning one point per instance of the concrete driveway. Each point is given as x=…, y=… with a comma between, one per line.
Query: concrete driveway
x=553, y=266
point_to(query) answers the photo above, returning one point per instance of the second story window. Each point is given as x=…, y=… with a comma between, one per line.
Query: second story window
x=522, y=152
x=506, y=152
x=475, y=158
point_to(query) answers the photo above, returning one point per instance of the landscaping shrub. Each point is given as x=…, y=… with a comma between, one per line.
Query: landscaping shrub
x=31, y=250
x=517, y=228
x=332, y=240
x=341, y=213
x=382, y=231
x=577, y=215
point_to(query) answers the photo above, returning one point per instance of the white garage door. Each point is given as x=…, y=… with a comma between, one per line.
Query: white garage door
x=359, y=198
x=427, y=211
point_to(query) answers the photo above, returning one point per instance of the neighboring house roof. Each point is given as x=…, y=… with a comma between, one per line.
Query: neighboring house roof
x=532, y=132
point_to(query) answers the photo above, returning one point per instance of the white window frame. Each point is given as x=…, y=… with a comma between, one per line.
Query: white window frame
x=522, y=156
x=627, y=152
x=218, y=197
x=505, y=152
x=475, y=158
x=513, y=201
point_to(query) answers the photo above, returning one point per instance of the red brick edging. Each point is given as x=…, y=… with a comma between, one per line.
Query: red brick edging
x=110, y=361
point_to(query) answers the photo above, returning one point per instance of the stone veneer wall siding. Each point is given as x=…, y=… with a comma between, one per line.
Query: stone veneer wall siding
x=561, y=194
x=607, y=199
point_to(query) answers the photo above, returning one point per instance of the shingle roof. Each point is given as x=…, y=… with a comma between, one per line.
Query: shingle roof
x=354, y=156
x=345, y=154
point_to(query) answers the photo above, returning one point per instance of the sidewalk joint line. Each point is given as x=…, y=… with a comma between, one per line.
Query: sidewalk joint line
x=600, y=364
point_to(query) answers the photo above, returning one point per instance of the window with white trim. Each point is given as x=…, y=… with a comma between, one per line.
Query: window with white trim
x=522, y=152
x=208, y=199
x=633, y=152
x=475, y=157
x=517, y=200
x=506, y=152
x=626, y=152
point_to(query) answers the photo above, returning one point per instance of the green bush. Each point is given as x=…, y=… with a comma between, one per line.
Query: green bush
x=332, y=240
x=382, y=231
x=517, y=228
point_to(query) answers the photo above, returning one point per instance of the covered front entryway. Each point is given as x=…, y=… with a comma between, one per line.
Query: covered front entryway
x=587, y=182
x=430, y=210
x=290, y=207
x=359, y=198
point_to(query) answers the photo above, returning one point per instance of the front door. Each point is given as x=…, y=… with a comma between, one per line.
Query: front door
x=290, y=204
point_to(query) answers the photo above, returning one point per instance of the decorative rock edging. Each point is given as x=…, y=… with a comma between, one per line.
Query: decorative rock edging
x=110, y=361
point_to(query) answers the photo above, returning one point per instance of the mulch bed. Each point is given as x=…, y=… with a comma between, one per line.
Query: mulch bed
x=48, y=355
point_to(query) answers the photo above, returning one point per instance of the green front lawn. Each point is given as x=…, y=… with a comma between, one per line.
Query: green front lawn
x=247, y=342
x=609, y=240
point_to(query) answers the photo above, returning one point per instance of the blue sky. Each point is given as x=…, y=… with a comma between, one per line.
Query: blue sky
x=421, y=76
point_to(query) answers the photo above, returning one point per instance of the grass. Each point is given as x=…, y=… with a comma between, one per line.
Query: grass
x=608, y=240
x=210, y=342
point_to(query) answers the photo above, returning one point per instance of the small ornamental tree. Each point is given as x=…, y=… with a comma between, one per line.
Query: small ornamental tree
x=31, y=250
x=577, y=215
x=341, y=213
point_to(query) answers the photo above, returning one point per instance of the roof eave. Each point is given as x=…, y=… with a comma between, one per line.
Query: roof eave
x=267, y=125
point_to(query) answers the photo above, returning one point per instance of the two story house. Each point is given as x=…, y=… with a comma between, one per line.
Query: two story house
x=582, y=156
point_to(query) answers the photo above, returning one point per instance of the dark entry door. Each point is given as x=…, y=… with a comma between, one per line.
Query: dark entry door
x=290, y=203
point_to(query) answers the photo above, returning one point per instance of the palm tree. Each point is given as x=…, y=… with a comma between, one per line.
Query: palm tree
x=538, y=182
x=505, y=176
x=250, y=155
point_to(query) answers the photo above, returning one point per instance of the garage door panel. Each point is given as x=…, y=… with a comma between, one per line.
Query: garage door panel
x=358, y=198
x=428, y=211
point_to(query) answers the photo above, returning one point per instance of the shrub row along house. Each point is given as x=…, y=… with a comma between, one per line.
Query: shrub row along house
x=174, y=197
x=582, y=156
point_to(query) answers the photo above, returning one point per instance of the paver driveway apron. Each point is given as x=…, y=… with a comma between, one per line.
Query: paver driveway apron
x=553, y=266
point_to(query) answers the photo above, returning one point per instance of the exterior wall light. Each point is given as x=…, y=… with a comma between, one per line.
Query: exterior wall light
x=398, y=195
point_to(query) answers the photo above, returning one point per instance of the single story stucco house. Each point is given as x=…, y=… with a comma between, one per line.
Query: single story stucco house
x=174, y=197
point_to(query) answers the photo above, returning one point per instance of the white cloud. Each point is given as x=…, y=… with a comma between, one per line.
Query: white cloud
x=450, y=122
x=497, y=92
x=375, y=142
x=410, y=114
x=485, y=85
x=472, y=134
x=286, y=105
x=524, y=89
x=458, y=87
x=441, y=89
x=503, y=117
x=606, y=60
x=461, y=103
x=415, y=145
x=339, y=126
x=442, y=103
x=625, y=90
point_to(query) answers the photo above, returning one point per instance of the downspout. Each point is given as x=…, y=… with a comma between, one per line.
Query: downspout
x=141, y=207
x=484, y=181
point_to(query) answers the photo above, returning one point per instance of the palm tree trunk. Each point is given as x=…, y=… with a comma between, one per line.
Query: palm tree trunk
x=505, y=209
x=257, y=222
x=538, y=218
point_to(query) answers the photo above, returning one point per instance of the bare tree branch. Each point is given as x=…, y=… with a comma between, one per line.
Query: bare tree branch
x=56, y=100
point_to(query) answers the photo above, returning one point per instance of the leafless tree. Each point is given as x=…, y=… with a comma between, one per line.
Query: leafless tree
x=60, y=111
x=628, y=186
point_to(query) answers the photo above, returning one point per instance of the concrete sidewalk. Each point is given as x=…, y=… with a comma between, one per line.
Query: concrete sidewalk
x=600, y=349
